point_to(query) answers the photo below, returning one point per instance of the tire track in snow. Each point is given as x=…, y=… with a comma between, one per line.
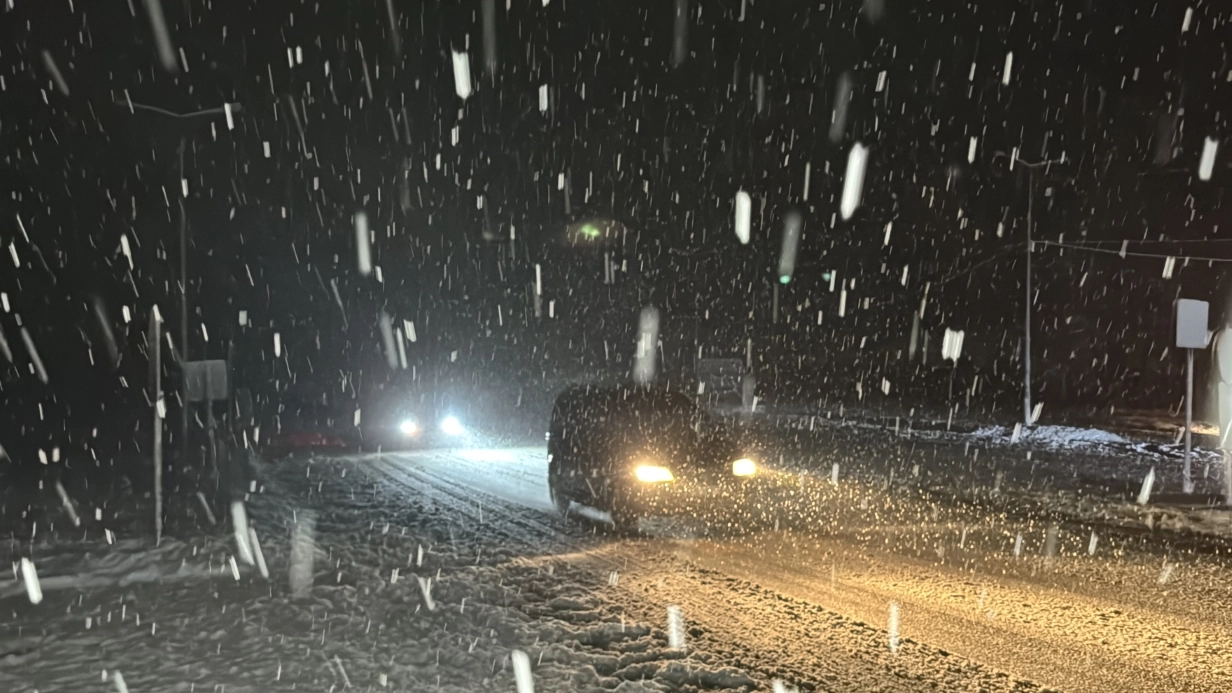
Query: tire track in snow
x=507, y=521
x=729, y=612
x=761, y=630
x=737, y=601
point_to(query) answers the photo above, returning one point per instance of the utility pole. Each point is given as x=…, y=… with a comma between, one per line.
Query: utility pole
x=1026, y=327
x=1026, y=322
x=156, y=367
x=183, y=321
x=228, y=110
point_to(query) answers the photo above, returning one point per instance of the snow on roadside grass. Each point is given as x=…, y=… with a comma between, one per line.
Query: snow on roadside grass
x=81, y=566
x=1053, y=436
x=353, y=628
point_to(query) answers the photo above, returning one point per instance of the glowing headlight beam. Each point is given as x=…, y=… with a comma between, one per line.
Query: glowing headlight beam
x=408, y=428
x=450, y=426
x=653, y=474
x=744, y=467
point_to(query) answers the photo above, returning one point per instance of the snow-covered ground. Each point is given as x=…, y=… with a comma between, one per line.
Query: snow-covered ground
x=1080, y=477
x=433, y=570
x=408, y=595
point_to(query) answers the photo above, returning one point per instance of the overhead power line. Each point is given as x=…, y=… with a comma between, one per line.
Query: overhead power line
x=1124, y=241
x=1107, y=251
x=234, y=108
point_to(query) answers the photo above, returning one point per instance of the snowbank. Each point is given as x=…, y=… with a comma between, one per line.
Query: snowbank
x=1051, y=436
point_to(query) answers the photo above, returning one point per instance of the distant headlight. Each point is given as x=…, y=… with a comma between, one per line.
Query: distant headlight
x=409, y=428
x=744, y=467
x=653, y=474
x=450, y=426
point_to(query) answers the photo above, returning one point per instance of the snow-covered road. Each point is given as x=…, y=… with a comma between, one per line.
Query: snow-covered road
x=433, y=568
x=811, y=602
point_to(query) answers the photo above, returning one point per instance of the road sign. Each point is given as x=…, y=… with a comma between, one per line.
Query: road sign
x=1191, y=319
x=206, y=380
x=1191, y=334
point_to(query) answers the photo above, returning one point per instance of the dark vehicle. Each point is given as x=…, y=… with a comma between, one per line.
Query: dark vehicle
x=636, y=451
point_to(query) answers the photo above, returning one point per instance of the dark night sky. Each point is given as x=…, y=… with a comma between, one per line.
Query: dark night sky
x=1128, y=90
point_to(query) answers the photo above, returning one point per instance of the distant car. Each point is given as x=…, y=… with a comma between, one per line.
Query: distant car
x=403, y=428
x=290, y=442
x=636, y=451
x=308, y=426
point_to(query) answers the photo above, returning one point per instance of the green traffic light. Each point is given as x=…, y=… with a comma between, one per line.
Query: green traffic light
x=590, y=231
x=784, y=279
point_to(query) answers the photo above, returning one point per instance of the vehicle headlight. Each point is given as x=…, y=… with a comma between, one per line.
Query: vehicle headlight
x=409, y=428
x=653, y=474
x=450, y=426
x=744, y=467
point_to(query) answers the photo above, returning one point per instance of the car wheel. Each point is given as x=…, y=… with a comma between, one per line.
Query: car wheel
x=624, y=517
x=559, y=499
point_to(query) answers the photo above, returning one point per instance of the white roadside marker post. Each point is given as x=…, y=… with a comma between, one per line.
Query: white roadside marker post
x=675, y=627
x=303, y=544
x=1144, y=494
x=893, y=627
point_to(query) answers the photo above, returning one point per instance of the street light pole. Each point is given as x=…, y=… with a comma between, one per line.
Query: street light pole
x=228, y=110
x=1026, y=328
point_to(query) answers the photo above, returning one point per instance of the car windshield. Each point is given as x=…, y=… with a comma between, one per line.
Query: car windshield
x=663, y=416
